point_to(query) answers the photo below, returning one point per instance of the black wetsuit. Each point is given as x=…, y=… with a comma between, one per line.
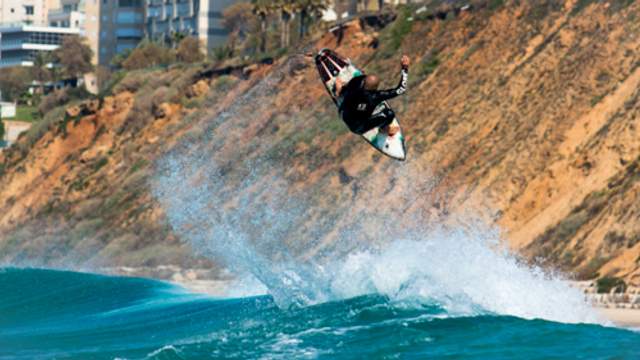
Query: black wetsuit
x=358, y=104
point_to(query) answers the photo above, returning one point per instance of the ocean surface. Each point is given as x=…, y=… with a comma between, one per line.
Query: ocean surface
x=46, y=314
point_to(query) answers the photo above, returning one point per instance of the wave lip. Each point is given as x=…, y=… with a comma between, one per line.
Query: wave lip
x=464, y=276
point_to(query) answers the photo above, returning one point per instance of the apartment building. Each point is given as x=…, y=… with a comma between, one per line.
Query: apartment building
x=19, y=44
x=164, y=18
x=27, y=12
x=211, y=30
x=201, y=18
x=66, y=13
x=113, y=26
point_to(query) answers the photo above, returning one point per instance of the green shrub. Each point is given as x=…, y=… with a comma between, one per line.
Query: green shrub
x=100, y=163
x=608, y=283
x=614, y=5
x=392, y=38
x=428, y=65
x=189, y=50
x=495, y=4
x=222, y=53
x=192, y=103
x=596, y=99
x=617, y=5
x=225, y=83
x=149, y=54
x=107, y=89
x=54, y=99
x=132, y=82
x=78, y=185
x=540, y=9
x=472, y=49
x=139, y=164
x=38, y=129
x=581, y=5
x=61, y=97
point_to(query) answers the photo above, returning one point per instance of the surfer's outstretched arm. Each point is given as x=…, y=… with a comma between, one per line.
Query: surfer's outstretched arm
x=383, y=95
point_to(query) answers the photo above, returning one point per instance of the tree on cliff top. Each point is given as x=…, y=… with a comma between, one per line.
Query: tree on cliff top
x=189, y=50
x=74, y=55
x=287, y=8
x=238, y=19
x=14, y=81
x=262, y=9
x=40, y=69
x=1, y=129
x=309, y=9
x=148, y=54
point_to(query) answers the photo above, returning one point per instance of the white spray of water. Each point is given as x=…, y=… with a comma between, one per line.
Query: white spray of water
x=463, y=274
x=248, y=217
x=461, y=269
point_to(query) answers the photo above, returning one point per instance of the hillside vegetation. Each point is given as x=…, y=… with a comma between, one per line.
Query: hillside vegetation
x=525, y=111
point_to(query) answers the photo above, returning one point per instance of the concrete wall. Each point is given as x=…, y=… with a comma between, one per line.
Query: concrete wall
x=7, y=110
x=13, y=129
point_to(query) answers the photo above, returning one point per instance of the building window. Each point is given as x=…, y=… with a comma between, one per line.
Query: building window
x=28, y=9
x=130, y=3
x=129, y=17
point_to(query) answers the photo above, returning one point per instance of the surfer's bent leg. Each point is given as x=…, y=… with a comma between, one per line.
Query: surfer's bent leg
x=382, y=119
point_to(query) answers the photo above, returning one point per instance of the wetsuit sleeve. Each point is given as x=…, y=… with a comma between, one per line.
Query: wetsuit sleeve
x=382, y=95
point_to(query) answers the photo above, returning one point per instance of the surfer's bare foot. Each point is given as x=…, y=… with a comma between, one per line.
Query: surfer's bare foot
x=391, y=130
x=339, y=86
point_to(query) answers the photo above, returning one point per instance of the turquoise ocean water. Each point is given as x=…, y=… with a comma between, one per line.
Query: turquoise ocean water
x=47, y=314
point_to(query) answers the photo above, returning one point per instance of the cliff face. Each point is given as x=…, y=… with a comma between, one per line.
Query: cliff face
x=526, y=112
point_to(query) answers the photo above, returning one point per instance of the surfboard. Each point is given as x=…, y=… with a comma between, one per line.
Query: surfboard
x=332, y=66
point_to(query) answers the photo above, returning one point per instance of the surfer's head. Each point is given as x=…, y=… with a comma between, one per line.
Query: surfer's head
x=371, y=82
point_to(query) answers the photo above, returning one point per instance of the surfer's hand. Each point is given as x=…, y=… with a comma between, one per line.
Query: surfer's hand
x=405, y=62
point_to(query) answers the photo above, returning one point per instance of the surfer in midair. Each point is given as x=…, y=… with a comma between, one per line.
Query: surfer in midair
x=361, y=96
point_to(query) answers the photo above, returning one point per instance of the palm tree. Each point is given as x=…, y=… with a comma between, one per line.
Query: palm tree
x=309, y=9
x=237, y=19
x=286, y=8
x=262, y=8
